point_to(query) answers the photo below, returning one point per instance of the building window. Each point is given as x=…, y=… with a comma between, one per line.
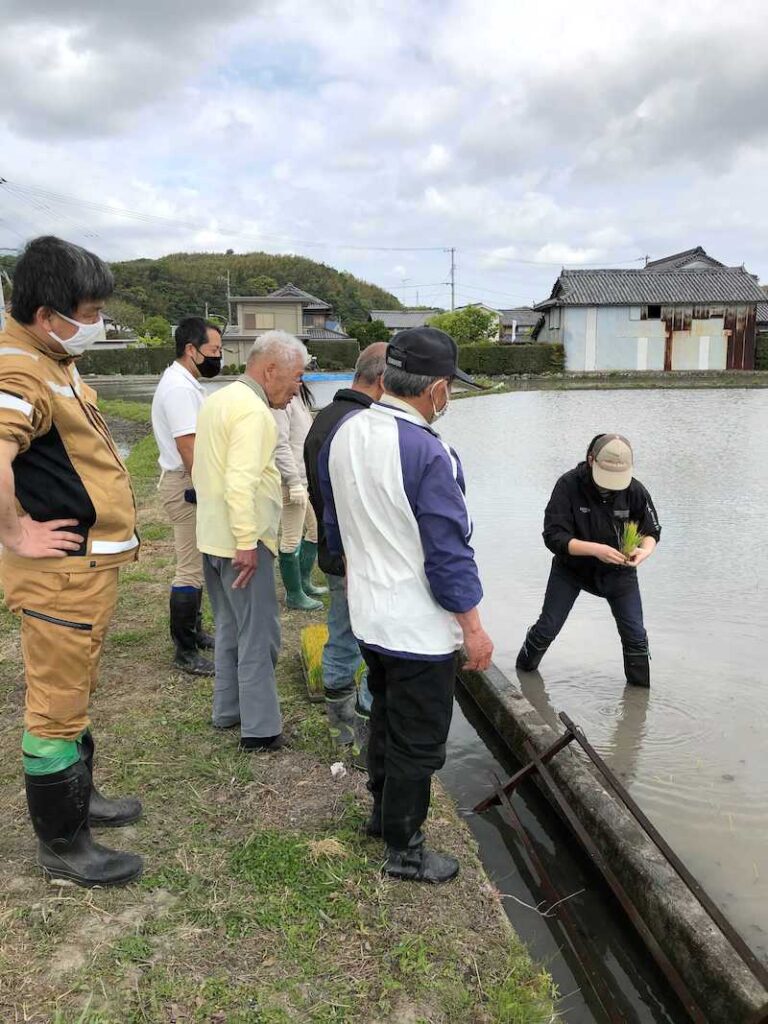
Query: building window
x=654, y=313
x=249, y=321
x=265, y=321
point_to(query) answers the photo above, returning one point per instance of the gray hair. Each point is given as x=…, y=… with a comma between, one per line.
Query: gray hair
x=371, y=363
x=280, y=345
x=406, y=385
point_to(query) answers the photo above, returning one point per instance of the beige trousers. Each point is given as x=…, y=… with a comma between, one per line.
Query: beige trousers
x=297, y=521
x=182, y=514
x=64, y=618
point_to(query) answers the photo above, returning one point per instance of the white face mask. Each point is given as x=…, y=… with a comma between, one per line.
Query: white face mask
x=438, y=413
x=85, y=336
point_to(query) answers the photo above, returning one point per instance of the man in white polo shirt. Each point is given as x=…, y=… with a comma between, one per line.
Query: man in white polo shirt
x=175, y=407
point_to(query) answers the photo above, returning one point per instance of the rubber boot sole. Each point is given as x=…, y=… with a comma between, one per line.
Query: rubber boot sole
x=67, y=874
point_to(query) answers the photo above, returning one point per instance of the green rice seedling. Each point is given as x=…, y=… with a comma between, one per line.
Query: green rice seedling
x=631, y=539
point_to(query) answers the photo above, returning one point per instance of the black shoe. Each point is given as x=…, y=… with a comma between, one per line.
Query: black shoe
x=184, y=608
x=418, y=864
x=193, y=664
x=263, y=744
x=637, y=669
x=204, y=641
x=58, y=807
x=372, y=827
x=106, y=812
x=530, y=654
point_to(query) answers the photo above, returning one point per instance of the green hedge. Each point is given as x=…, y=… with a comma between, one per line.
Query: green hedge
x=519, y=358
x=335, y=355
x=761, y=352
x=127, y=360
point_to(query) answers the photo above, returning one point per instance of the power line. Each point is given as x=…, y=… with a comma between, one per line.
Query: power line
x=149, y=218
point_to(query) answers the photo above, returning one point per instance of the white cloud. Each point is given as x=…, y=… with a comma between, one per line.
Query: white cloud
x=542, y=133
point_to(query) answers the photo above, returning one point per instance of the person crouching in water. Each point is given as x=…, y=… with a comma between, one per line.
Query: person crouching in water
x=584, y=526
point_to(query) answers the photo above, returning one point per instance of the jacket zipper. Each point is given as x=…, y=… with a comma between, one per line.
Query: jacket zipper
x=57, y=622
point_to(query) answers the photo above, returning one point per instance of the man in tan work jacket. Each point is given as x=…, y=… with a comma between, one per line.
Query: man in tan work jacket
x=67, y=519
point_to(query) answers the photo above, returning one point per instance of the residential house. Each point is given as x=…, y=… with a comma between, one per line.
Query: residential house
x=288, y=309
x=683, y=312
x=517, y=324
x=399, y=319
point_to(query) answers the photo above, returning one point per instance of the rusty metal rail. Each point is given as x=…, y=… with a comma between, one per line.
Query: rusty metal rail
x=538, y=765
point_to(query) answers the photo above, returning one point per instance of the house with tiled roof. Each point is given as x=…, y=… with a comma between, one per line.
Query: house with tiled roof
x=687, y=311
x=400, y=319
x=288, y=309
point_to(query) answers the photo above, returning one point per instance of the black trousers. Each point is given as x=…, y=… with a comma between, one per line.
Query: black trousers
x=410, y=717
x=620, y=589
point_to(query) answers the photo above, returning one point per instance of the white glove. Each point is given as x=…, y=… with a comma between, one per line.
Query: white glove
x=297, y=494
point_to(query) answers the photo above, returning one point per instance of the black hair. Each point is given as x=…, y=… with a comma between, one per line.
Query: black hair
x=214, y=327
x=592, y=444
x=306, y=395
x=58, y=275
x=192, y=330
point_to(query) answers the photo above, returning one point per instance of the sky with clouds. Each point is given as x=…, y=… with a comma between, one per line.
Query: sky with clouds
x=373, y=135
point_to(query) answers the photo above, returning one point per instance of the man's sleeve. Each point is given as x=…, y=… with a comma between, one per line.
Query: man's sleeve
x=311, y=457
x=330, y=519
x=558, y=520
x=251, y=443
x=25, y=409
x=181, y=411
x=445, y=529
x=645, y=514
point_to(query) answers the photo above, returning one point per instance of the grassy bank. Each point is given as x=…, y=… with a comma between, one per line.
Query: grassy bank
x=261, y=903
x=621, y=380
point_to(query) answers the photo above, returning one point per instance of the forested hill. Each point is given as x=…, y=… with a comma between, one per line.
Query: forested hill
x=177, y=285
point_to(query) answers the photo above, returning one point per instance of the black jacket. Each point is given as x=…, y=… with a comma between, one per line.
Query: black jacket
x=344, y=402
x=577, y=510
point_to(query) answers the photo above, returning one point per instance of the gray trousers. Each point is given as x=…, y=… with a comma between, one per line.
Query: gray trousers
x=247, y=646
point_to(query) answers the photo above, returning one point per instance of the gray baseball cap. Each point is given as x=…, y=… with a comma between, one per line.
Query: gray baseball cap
x=614, y=462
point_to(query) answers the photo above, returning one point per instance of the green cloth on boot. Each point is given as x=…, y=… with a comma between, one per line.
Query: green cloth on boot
x=44, y=757
x=307, y=559
x=290, y=570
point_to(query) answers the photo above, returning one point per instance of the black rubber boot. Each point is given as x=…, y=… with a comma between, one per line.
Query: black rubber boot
x=184, y=610
x=106, y=812
x=637, y=669
x=204, y=641
x=416, y=863
x=263, y=744
x=340, y=709
x=404, y=807
x=58, y=807
x=531, y=653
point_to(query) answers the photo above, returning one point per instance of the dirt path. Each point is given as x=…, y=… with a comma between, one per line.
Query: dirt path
x=261, y=902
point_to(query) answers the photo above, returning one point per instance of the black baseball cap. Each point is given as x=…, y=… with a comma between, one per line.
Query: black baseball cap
x=428, y=352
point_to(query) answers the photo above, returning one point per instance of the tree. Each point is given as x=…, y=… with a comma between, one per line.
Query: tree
x=262, y=284
x=367, y=333
x=157, y=327
x=125, y=314
x=469, y=326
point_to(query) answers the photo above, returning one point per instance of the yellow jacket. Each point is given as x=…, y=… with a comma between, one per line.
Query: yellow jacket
x=68, y=466
x=239, y=499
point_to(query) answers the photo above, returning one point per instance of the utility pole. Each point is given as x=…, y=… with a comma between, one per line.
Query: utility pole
x=2, y=302
x=453, y=279
x=229, y=299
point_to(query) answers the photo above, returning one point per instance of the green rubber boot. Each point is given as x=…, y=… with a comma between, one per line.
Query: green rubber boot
x=307, y=559
x=290, y=570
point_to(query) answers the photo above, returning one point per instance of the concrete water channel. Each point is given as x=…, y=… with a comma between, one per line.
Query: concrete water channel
x=694, y=750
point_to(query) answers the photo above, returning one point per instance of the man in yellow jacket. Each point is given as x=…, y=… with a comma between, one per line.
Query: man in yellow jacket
x=239, y=500
x=67, y=519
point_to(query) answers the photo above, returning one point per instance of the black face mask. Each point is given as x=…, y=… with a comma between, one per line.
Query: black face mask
x=210, y=366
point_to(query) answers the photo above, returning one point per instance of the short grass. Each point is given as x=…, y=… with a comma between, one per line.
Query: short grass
x=262, y=901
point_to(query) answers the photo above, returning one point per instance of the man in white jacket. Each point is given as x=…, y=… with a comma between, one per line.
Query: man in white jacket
x=298, y=538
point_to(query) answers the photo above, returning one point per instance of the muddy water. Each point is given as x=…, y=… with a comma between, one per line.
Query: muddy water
x=694, y=750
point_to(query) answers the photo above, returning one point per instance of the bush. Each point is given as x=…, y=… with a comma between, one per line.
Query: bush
x=761, y=352
x=367, y=333
x=538, y=357
x=127, y=360
x=468, y=326
x=334, y=355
